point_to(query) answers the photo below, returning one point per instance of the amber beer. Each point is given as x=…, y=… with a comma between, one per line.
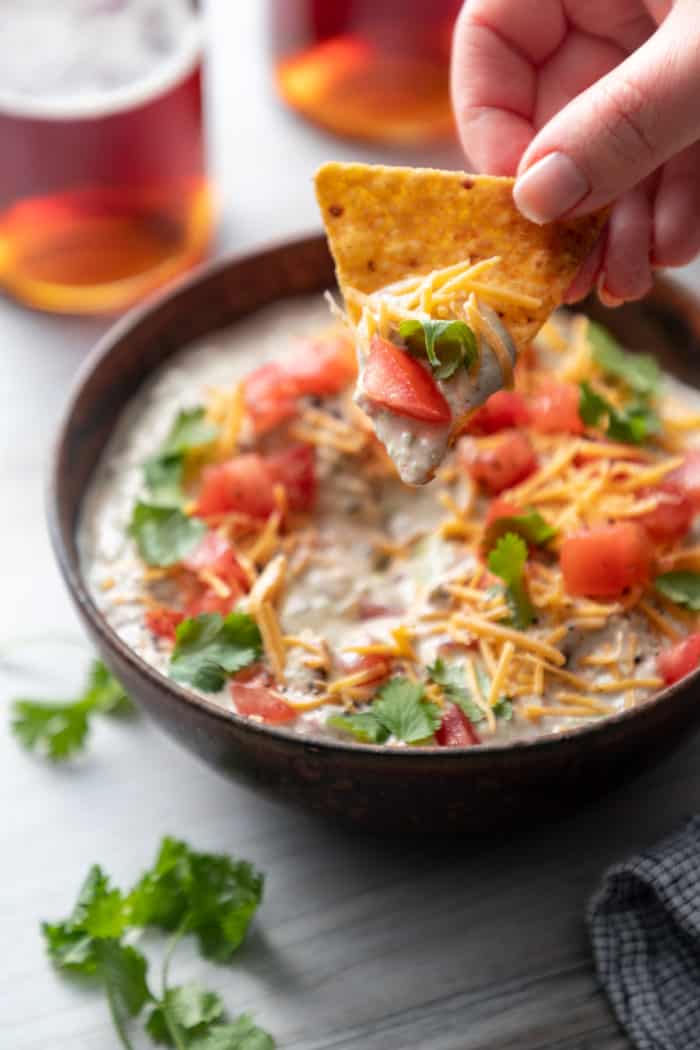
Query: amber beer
x=103, y=191
x=369, y=69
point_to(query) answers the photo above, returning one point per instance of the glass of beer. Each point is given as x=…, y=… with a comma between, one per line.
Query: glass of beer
x=370, y=69
x=103, y=189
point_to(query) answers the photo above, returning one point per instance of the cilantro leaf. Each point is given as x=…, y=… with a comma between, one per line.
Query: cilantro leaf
x=210, y=647
x=503, y=708
x=210, y=895
x=447, y=344
x=163, y=476
x=530, y=525
x=123, y=970
x=640, y=372
x=364, y=726
x=399, y=709
x=105, y=694
x=681, y=587
x=164, y=535
x=163, y=473
x=632, y=424
x=59, y=730
x=241, y=1034
x=191, y=430
x=190, y=1007
x=507, y=560
x=402, y=709
x=453, y=682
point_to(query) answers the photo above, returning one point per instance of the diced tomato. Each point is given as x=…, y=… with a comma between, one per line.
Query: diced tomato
x=672, y=517
x=503, y=465
x=295, y=468
x=241, y=484
x=322, y=366
x=455, y=729
x=606, y=561
x=367, y=610
x=501, y=508
x=680, y=659
x=162, y=621
x=210, y=601
x=554, y=409
x=270, y=397
x=215, y=553
x=265, y=703
x=253, y=674
x=502, y=411
x=396, y=381
x=687, y=478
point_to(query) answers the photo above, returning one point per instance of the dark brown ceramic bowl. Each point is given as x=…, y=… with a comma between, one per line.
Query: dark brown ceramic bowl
x=419, y=789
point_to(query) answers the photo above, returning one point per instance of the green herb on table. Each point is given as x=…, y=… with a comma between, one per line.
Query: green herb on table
x=164, y=535
x=163, y=473
x=448, y=345
x=210, y=647
x=639, y=372
x=211, y=896
x=399, y=709
x=680, y=587
x=59, y=730
x=507, y=561
x=632, y=424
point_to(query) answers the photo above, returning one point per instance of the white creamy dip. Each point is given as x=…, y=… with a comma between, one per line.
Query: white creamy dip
x=348, y=595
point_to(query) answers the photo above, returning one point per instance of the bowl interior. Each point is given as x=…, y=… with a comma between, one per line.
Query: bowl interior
x=667, y=323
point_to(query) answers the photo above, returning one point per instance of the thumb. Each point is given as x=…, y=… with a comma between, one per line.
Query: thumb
x=614, y=134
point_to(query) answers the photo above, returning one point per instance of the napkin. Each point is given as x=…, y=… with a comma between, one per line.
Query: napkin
x=645, y=931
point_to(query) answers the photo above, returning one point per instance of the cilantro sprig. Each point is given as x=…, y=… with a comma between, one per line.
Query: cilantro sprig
x=632, y=424
x=400, y=709
x=448, y=345
x=452, y=679
x=211, y=896
x=164, y=535
x=60, y=730
x=530, y=526
x=639, y=372
x=681, y=587
x=163, y=473
x=507, y=561
x=210, y=647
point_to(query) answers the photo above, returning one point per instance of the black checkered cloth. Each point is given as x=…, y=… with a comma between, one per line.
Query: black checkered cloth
x=645, y=929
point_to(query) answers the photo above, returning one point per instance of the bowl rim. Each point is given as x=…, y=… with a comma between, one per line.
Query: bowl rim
x=71, y=571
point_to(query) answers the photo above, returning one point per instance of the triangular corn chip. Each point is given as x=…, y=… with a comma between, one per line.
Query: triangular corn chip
x=385, y=224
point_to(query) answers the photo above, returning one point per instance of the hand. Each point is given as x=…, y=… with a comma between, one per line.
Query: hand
x=590, y=102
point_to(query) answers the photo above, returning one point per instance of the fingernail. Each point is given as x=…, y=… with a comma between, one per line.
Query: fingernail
x=550, y=188
x=606, y=298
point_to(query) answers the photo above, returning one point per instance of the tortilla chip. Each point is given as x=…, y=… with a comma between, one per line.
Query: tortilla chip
x=384, y=224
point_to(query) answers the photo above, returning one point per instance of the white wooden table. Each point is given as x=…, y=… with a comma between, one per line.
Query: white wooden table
x=360, y=944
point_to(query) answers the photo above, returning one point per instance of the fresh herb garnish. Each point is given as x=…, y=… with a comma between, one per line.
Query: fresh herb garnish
x=209, y=895
x=447, y=344
x=631, y=425
x=507, y=560
x=164, y=535
x=451, y=678
x=530, y=525
x=640, y=372
x=210, y=647
x=59, y=730
x=680, y=587
x=399, y=709
x=163, y=472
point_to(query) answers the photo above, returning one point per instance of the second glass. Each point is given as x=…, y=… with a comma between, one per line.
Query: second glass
x=103, y=191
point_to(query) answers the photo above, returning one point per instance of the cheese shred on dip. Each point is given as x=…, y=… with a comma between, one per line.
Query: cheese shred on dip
x=248, y=535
